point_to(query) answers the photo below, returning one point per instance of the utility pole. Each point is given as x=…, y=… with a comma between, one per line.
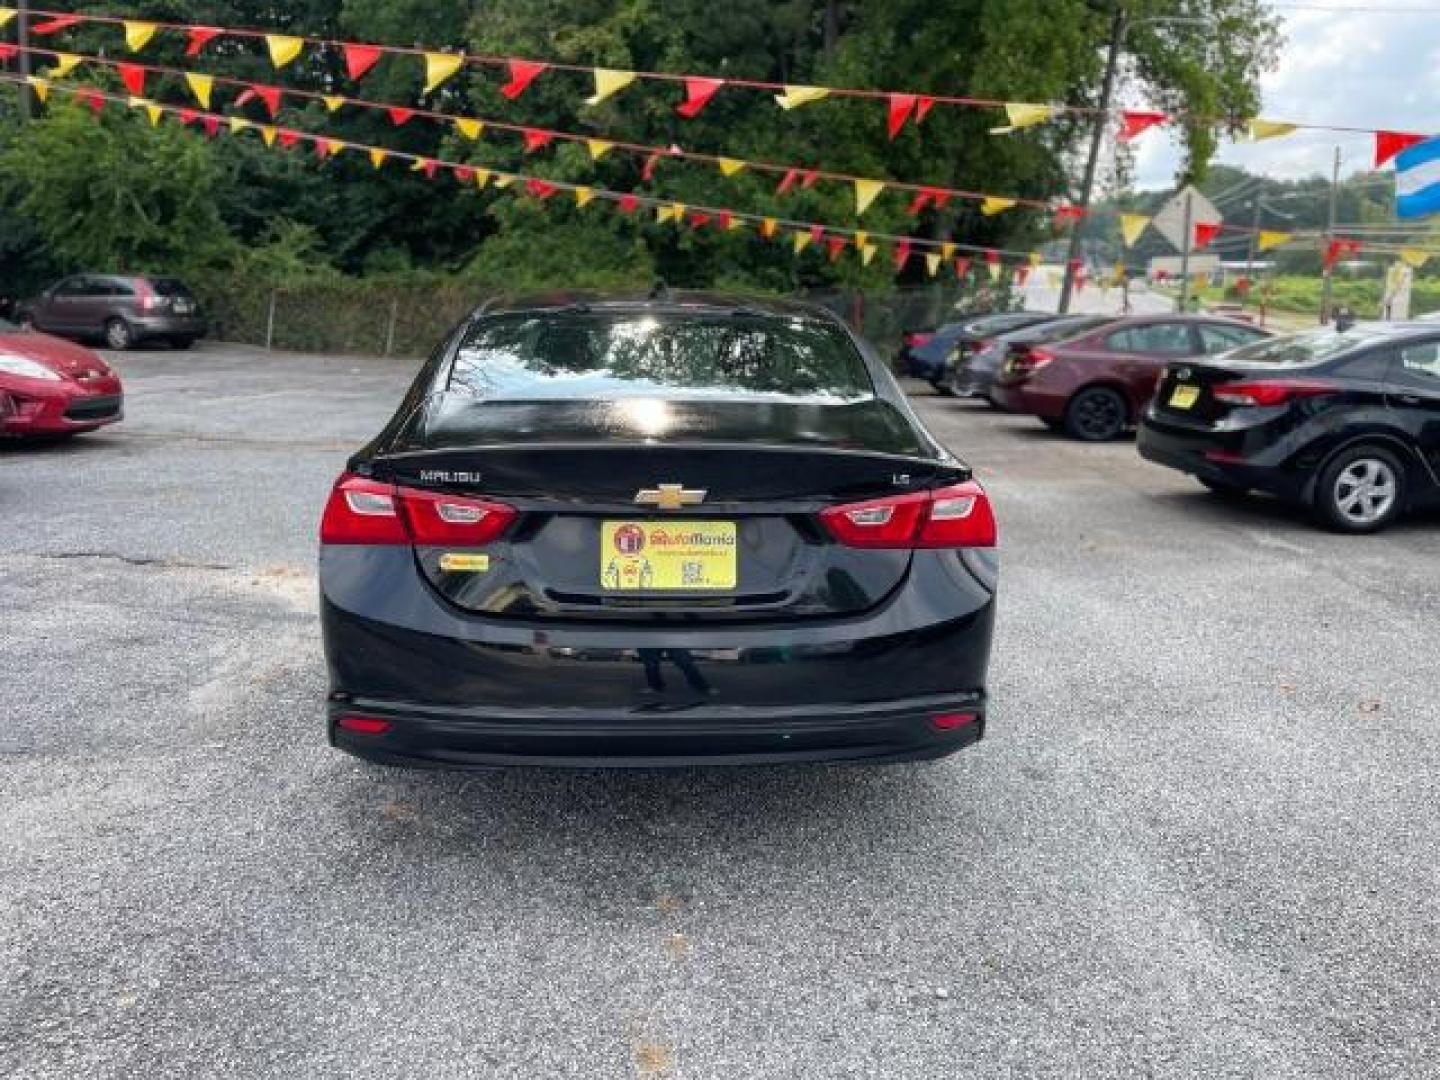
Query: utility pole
x=1185, y=253
x=1097, y=137
x=1326, y=281
x=22, y=28
x=1250, y=254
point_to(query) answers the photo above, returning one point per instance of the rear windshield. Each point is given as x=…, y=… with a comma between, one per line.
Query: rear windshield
x=995, y=324
x=576, y=356
x=169, y=287
x=1305, y=349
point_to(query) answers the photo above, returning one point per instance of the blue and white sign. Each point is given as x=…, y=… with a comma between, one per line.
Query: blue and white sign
x=1417, y=180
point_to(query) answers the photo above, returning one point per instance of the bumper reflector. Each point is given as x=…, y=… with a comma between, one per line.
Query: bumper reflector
x=364, y=725
x=951, y=721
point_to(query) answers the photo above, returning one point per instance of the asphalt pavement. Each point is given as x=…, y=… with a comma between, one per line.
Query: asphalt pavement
x=1200, y=838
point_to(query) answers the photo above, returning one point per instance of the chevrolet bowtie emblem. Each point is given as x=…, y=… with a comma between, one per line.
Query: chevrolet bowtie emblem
x=670, y=497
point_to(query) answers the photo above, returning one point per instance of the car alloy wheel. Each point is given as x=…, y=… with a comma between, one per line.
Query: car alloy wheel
x=1096, y=415
x=118, y=335
x=1366, y=490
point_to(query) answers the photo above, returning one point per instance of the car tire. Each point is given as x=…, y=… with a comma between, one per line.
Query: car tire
x=1097, y=414
x=118, y=335
x=1361, y=490
x=182, y=343
x=1226, y=489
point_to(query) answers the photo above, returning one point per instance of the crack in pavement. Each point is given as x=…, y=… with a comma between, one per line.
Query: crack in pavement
x=128, y=560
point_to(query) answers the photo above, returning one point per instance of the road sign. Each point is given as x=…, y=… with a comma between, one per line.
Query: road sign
x=1170, y=221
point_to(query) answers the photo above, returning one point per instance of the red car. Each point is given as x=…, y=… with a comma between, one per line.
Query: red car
x=1096, y=386
x=50, y=387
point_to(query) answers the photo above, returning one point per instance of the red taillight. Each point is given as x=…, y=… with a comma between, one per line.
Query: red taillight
x=148, y=300
x=364, y=725
x=953, y=517
x=364, y=511
x=1268, y=392
x=916, y=340
x=951, y=721
x=1034, y=359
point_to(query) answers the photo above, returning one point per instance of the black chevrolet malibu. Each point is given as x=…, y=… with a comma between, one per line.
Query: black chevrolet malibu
x=652, y=531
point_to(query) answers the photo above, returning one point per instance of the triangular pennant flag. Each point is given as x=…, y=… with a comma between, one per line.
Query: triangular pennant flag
x=333, y=102
x=932, y=262
x=336, y=146
x=795, y=96
x=787, y=181
x=1390, y=143
x=270, y=95
x=609, y=82
x=1268, y=239
x=993, y=265
x=211, y=125
x=727, y=221
x=1135, y=122
x=239, y=124
x=65, y=63
x=866, y=192
x=919, y=203
x=672, y=212
x=138, y=34
x=322, y=148
x=56, y=25
x=6, y=14
x=867, y=252
x=154, y=112
x=1259, y=130
x=400, y=116
x=947, y=251
x=698, y=92
x=1205, y=231
x=768, y=226
x=133, y=76
x=200, y=36
x=801, y=240
x=1338, y=249
x=1036, y=259
x=962, y=268
x=359, y=59
x=482, y=178
x=93, y=99
x=535, y=139
x=817, y=233
x=377, y=156
x=861, y=238
x=923, y=107
x=540, y=189
x=283, y=48
x=647, y=172
x=628, y=204
x=1022, y=275
x=1132, y=226
x=834, y=245
x=729, y=166
x=699, y=219
x=268, y=133
x=201, y=86
x=598, y=148
x=901, y=106
x=288, y=138
x=902, y=254
x=522, y=74
x=439, y=67
x=993, y=205
x=504, y=180
x=1415, y=257
x=8, y=52
x=427, y=166
x=41, y=86
x=583, y=195
x=468, y=127
x=1022, y=115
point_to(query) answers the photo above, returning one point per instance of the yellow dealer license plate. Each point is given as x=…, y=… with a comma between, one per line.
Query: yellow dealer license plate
x=668, y=556
x=1184, y=397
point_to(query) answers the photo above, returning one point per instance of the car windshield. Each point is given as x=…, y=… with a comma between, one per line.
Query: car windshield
x=1305, y=349
x=573, y=356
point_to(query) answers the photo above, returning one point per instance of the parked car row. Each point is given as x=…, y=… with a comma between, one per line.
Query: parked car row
x=1345, y=422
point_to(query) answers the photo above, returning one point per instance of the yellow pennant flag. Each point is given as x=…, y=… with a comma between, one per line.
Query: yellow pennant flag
x=503, y=180
x=801, y=240
x=734, y=223
x=608, y=83
x=439, y=67
x=6, y=14
x=865, y=194
x=867, y=252
x=1035, y=260
x=729, y=166
x=137, y=34
x=471, y=129
x=1131, y=226
x=598, y=148
x=583, y=195
x=136, y=102
x=673, y=212
x=239, y=124
x=1415, y=257
x=947, y=251
x=932, y=262
x=482, y=178
x=268, y=133
x=1022, y=115
x=768, y=226
x=795, y=96
x=862, y=239
x=40, y=85
x=377, y=156
x=994, y=268
x=336, y=147
x=283, y=48
x=1267, y=239
x=65, y=63
x=994, y=205
x=1258, y=130
x=201, y=86
x=333, y=102
x=155, y=112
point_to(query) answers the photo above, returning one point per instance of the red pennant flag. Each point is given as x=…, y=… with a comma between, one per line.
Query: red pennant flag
x=962, y=267
x=360, y=58
x=188, y=116
x=133, y=76
x=1390, y=143
x=1067, y=213
x=699, y=219
x=212, y=126
x=322, y=148
x=535, y=139
x=919, y=203
x=1022, y=274
x=901, y=106
x=809, y=178
x=8, y=52
x=923, y=107
x=902, y=254
x=270, y=95
x=992, y=258
x=1205, y=231
x=629, y=204
x=791, y=175
x=400, y=116
x=648, y=172
x=835, y=245
x=522, y=74
x=541, y=189
x=465, y=174
x=200, y=36
x=817, y=233
x=1134, y=122
x=93, y=99
x=288, y=138
x=1338, y=249
x=429, y=168
x=55, y=26
x=724, y=221
x=698, y=92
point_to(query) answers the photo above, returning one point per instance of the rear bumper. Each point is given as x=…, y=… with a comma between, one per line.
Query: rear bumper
x=471, y=738
x=169, y=326
x=1220, y=458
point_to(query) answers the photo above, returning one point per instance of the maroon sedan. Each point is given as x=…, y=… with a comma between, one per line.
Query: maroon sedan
x=1095, y=386
x=50, y=387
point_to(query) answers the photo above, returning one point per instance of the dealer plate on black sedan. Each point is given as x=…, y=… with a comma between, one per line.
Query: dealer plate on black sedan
x=1184, y=397
x=668, y=556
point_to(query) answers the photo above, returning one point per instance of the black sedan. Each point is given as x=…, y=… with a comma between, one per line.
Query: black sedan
x=647, y=531
x=1347, y=423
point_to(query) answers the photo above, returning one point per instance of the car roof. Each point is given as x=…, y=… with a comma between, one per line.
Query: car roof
x=654, y=301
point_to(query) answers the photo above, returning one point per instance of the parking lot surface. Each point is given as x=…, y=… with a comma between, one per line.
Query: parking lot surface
x=1200, y=838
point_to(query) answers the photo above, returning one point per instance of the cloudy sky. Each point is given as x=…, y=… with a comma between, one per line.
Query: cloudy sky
x=1364, y=63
